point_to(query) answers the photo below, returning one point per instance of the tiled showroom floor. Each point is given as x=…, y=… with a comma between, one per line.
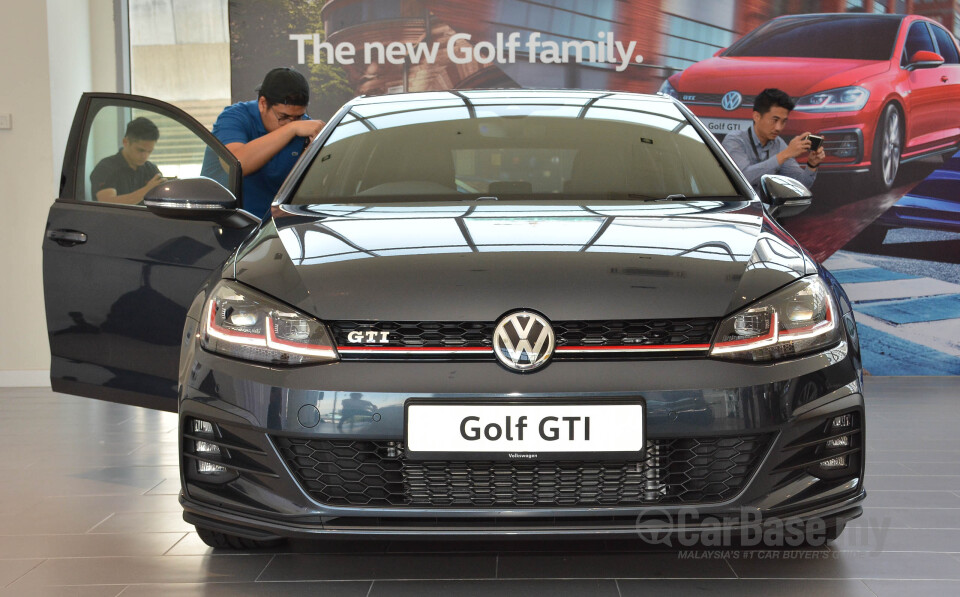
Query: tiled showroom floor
x=88, y=508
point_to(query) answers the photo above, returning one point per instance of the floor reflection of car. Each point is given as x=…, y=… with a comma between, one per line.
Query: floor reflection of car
x=881, y=89
x=933, y=204
x=608, y=335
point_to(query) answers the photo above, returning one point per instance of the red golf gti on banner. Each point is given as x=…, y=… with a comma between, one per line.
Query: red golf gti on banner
x=881, y=89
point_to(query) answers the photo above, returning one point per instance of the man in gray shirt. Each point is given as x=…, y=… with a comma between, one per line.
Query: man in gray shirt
x=759, y=150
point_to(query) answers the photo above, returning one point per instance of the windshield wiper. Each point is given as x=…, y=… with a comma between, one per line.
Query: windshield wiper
x=673, y=197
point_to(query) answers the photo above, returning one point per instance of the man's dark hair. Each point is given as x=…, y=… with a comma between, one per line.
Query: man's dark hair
x=285, y=86
x=142, y=129
x=771, y=97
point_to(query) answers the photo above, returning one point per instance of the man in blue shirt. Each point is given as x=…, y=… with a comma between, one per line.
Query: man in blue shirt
x=759, y=150
x=267, y=136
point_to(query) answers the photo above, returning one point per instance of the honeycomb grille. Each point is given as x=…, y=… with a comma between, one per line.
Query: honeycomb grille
x=375, y=473
x=467, y=334
x=634, y=332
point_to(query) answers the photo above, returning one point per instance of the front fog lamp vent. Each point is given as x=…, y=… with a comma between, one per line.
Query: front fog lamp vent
x=202, y=427
x=219, y=453
x=837, y=462
x=830, y=450
x=839, y=454
x=842, y=422
x=839, y=442
x=842, y=145
x=209, y=468
x=203, y=445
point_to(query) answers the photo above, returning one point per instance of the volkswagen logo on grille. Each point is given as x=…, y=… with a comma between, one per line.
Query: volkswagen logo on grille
x=523, y=341
x=731, y=100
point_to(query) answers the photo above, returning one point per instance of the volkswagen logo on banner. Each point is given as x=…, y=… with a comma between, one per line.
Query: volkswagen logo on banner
x=523, y=341
x=731, y=100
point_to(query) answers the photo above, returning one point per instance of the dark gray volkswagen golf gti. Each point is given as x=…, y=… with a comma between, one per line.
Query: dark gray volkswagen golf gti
x=468, y=313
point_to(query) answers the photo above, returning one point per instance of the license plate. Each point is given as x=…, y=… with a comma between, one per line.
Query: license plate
x=524, y=430
x=725, y=126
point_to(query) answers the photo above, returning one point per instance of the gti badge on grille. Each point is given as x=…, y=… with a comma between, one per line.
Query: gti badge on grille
x=731, y=100
x=523, y=341
x=368, y=336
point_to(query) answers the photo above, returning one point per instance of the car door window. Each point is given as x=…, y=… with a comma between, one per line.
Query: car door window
x=127, y=150
x=918, y=39
x=945, y=46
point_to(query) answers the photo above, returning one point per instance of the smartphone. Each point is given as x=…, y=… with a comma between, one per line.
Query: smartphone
x=815, y=142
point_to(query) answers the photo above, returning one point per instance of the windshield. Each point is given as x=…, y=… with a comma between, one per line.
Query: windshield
x=513, y=146
x=823, y=36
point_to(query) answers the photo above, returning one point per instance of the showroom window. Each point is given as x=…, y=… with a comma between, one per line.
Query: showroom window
x=180, y=53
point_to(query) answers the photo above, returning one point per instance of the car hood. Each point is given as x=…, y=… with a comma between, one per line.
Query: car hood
x=796, y=76
x=462, y=261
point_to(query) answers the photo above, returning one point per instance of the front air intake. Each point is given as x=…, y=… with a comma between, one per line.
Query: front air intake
x=376, y=473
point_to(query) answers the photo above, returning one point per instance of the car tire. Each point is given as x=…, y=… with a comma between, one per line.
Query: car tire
x=219, y=540
x=887, y=148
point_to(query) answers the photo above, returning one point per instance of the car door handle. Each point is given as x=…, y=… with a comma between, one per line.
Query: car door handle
x=943, y=79
x=67, y=238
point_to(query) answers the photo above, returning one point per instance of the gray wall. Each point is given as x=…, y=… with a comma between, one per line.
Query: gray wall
x=55, y=50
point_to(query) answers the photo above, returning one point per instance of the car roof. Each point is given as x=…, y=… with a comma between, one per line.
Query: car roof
x=567, y=96
x=847, y=15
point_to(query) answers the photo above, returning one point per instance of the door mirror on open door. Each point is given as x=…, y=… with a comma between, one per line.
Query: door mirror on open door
x=192, y=199
x=784, y=196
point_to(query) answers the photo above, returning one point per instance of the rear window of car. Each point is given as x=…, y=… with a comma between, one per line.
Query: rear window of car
x=821, y=37
x=507, y=147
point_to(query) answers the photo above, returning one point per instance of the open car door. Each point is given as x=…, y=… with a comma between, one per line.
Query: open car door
x=119, y=278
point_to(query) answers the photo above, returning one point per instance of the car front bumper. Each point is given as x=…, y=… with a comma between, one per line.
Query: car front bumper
x=781, y=411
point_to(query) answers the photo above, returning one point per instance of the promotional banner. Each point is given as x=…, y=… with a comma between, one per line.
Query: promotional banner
x=877, y=81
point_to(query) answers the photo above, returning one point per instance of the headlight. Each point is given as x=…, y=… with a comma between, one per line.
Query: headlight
x=844, y=99
x=667, y=89
x=242, y=323
x=796, y=320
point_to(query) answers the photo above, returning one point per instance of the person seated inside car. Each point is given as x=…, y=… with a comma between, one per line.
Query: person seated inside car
x=126, y=176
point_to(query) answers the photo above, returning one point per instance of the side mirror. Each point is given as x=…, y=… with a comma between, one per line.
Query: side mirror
x=784, y=196
x=925, y=59
x=191, y=199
